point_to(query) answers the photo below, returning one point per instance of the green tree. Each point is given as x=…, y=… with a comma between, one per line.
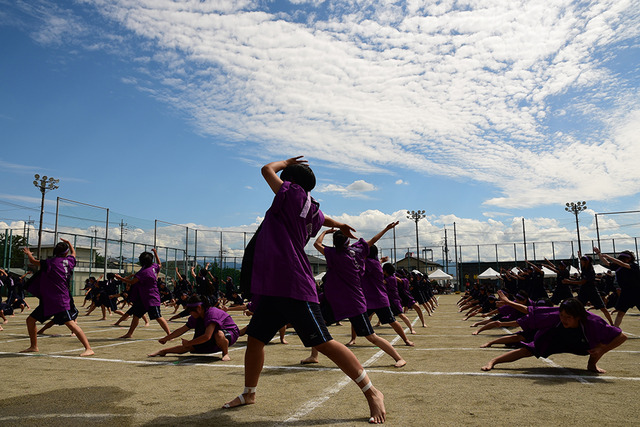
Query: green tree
x=11, y=255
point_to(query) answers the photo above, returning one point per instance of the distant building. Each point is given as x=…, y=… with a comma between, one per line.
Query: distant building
x=410, y=263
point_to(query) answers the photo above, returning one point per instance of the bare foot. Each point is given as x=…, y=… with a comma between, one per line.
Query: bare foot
x=424, y=325
x=409, y=343
x=487, y=367
x=413, y=331
x=226, y=358
x=309, y=360
x=125, y=336
x=146, y=325
x=157, y=353
x=400, y=363
x=243, y=399
x=475, y=332
x=284, y=341
x=30, y=350
x=375, y=399
x=87, y=352
x=104, y=318
x=350, y=343
x=594, y=368
x=115, y=324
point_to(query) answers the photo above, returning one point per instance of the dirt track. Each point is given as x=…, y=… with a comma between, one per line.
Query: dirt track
x=441, y=385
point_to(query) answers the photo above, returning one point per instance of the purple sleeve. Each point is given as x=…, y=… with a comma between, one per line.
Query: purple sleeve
x=598, y=331
x=191, y=323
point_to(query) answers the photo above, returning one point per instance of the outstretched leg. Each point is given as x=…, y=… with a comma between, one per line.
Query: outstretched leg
x=33, y=336
x=253, y=363
x=349, y=364
x=510, y=356
x=385, y=346
x=78, y=332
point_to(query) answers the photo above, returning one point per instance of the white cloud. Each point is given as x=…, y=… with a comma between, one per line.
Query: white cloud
x=355, y=189
x=401, y=182
x=469, y=92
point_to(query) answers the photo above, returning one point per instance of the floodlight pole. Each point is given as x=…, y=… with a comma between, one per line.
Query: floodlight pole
x=43, y=184
x=576, y=208
x=416, y=216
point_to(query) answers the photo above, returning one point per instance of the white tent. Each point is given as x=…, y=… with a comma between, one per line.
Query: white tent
x=318, y=277
x=489, y=273
x=548, y=273
x=600, y=269
x=439, y=275
x=573, y=270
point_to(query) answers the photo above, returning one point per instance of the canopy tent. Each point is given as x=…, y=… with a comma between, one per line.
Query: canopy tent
x=548, y=273
x=439, y=275
x=318, y=277
x=600, y=269
x=489, y=273
x=573, y=270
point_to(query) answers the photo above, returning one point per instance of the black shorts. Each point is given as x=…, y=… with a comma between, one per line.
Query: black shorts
x=586, y=294
x=627, y=300
x=59, y=318
x=275, y=312
x=385, y=315
x=395, y=309
x=139, y=310
x=361, y=325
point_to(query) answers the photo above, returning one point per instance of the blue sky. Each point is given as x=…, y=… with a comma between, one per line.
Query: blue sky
x=479, y=113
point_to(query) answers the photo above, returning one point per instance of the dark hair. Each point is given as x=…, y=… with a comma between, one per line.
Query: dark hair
x=300, y=174
x=340, y=240
x=111, y=276
x=388, y=268
x=627, y=254
x=373, y=252
x=60, y=249
x=146, y=259
x=195, y=299
x=573, y=307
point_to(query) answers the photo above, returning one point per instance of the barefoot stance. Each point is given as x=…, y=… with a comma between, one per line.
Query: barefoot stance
x=400, y=363
x=376, y=406
x=309, y=360
x=409, y=343
x=88, y=352
x=30, y=350
x=249, y=399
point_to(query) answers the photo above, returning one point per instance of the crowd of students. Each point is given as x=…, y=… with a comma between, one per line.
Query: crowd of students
x=560, y=323
x=279, y=291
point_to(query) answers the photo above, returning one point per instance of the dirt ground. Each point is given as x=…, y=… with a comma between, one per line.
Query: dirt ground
x=442, y=383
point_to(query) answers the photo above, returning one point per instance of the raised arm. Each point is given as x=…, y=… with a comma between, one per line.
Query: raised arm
x=178, y=273
x=270, y=171
x=608, y=259
x=318, y=243
x=551, y=266
x=347, y=230
x=520, y=307
x=72, y=251
x=32, y=259
x=377, y=237
x=157, y=257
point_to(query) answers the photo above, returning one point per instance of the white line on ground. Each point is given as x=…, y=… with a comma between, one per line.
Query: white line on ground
x=40, y=416
x=326, y=394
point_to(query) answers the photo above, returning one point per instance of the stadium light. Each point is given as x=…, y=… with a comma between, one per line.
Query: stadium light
x=43, y=184
x=576, y=208
x=416, y=216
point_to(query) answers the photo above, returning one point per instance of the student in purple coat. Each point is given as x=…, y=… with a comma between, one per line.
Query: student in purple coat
x=375, y=292
x=215, y=331
x=343, y=290
x=588, y=291
x=628, y=278
x=52, y=289
x=407, y=299
x=146, y=297
x=282, y=277
x=568, y=328
x=391, y=286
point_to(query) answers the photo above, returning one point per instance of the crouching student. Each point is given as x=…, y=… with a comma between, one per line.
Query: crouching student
x=568, y=328
x=214, y=331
